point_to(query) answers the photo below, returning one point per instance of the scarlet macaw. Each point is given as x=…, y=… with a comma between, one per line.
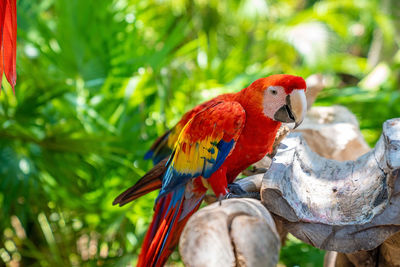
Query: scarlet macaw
x=8, y=40
x=208, y=148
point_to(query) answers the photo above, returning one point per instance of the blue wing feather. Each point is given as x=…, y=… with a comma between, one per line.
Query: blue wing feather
x=205, y=154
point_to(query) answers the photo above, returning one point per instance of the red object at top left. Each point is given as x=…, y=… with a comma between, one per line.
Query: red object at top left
x=8, y=46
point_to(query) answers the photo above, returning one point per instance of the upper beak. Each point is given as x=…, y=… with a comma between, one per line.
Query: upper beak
x=294, y=110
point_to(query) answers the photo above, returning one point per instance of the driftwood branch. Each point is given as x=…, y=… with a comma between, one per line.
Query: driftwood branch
x=234, y=232
x=333, y=132
x=340, y=206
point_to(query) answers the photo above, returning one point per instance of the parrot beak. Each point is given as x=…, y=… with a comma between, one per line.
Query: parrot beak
x=294, y=110
x=298, y=106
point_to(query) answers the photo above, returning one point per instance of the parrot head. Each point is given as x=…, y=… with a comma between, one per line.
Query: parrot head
x=281, y=97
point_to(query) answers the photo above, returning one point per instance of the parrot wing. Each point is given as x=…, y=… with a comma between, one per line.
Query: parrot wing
x=164, y=145
x=203, y=144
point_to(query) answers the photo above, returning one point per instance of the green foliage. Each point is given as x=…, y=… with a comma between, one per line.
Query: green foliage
x=297, y=253
x=99, y=80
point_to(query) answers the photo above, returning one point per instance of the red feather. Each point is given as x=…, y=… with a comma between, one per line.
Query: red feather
x=8, y=33
x=166, y=227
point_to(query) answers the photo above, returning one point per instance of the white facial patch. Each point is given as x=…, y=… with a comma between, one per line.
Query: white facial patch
x=274, y=99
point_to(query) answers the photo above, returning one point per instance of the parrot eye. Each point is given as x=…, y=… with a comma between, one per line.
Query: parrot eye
x=273, y=91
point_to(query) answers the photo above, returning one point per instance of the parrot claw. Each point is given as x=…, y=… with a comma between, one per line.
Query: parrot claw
x=220, y=198
x=236, y=191
x=254, y=195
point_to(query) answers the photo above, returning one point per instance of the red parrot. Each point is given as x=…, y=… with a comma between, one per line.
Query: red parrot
x=208, y=148
x=8, y=41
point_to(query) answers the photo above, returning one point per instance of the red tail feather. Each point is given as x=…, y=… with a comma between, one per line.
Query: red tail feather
x=170, y=217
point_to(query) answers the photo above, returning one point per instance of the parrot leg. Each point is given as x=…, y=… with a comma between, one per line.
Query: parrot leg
x=236, y=191
x=222, y=190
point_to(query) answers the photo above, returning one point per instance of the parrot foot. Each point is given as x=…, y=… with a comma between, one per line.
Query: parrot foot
x=236, y=191
x=254, y=195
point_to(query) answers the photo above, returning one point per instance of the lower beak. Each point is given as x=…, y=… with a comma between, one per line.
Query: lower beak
x=294, y=110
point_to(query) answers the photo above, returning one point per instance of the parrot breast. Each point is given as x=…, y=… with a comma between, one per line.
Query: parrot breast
x=256, y=140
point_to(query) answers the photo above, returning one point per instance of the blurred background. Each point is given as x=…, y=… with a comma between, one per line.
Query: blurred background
x=99, y=80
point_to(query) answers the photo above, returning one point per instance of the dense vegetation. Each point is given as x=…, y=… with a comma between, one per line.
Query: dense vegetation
x=99, y=80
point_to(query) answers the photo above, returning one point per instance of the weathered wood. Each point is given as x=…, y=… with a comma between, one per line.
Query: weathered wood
x=390, y=251
x=251, y=183
x=340, y=206
x=315, y=83
x=386, y=255
x=331, y=258
x=333, y=132
x=235, y=232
